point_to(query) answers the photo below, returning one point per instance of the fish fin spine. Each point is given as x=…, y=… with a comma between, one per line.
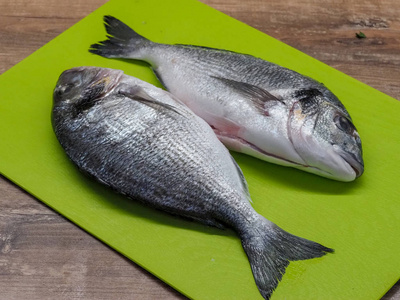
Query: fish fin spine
x=122, y=42
x=270, y=249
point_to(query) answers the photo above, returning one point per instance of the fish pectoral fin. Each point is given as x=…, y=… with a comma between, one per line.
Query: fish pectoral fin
x=139, y=94
x=256, y=94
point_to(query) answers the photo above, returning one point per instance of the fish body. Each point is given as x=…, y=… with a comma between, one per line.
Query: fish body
x=254, y=106
x=144, y=143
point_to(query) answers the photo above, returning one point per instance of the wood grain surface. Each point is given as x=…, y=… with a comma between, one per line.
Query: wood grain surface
x=44, y=256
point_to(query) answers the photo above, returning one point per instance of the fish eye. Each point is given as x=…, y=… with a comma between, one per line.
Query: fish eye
x=344, y=124
x=64, y=89
x=67, y=88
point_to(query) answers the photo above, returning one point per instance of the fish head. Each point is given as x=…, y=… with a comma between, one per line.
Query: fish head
x=85, y=84
x=324, y=137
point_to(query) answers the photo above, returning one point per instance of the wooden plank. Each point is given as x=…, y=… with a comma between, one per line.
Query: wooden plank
x=43, y=256
x=326, y=31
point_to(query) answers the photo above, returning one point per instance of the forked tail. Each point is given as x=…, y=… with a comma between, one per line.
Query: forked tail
x=269, y=250
x=122, y=42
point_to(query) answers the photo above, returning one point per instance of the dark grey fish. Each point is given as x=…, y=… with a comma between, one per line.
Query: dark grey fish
x=254, y=106
x=144, y=143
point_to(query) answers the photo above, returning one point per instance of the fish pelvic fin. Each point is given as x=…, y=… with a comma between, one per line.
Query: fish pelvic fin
x=122, y=42
x=269, y=250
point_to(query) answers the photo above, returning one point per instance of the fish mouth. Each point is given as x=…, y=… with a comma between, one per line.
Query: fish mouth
x=356, y=164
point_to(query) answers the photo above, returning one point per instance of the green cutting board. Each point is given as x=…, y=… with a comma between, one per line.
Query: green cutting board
x=360, y=220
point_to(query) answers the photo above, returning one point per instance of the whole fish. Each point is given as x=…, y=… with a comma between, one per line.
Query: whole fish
x=144, y=143
x=254, y=106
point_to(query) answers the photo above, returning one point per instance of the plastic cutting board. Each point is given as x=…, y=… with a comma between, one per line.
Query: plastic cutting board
x=360, y=220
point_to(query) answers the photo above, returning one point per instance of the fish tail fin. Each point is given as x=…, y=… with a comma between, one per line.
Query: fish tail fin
x=269, y=250
x=122, y=42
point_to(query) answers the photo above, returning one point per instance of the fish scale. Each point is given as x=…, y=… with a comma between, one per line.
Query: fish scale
x=142, y=142
x=254, y=106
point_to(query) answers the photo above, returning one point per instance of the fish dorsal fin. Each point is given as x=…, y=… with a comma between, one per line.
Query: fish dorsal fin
x=137, y=93
x=256, y=94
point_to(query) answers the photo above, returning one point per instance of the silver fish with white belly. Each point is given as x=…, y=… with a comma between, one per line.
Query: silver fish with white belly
x=144, y=143
x=254, y=106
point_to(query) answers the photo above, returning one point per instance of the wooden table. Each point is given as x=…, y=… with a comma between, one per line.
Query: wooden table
x=44, y=256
